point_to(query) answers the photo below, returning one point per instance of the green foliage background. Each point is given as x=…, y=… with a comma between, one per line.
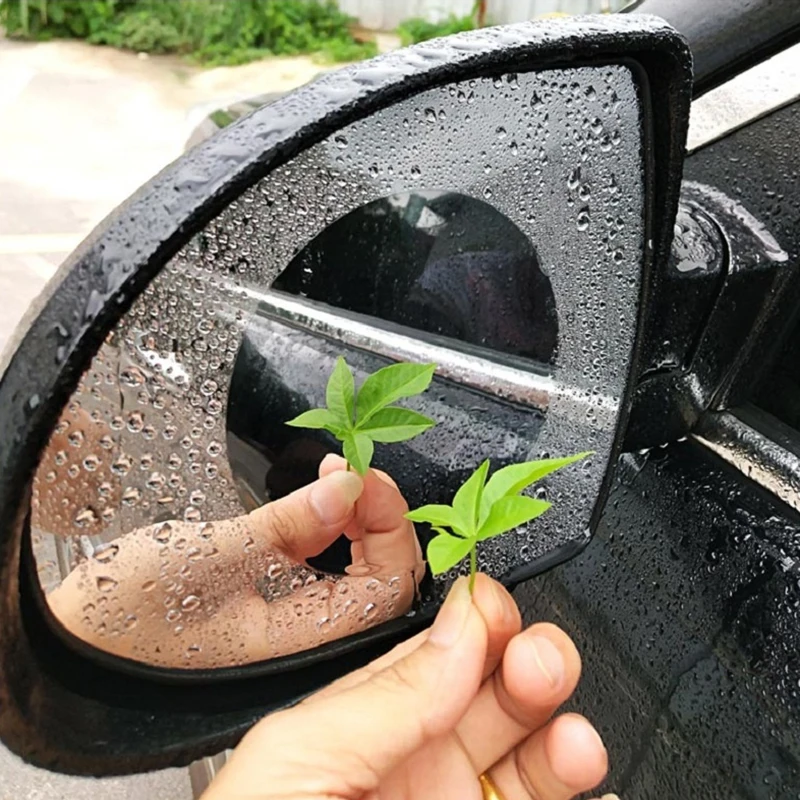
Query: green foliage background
x=211, y=32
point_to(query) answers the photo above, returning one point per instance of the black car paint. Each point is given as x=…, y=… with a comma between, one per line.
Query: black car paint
x=62, y=710
x=686, y=604
x=688, y=621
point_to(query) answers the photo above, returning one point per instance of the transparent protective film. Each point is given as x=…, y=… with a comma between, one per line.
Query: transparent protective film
x=505, y=220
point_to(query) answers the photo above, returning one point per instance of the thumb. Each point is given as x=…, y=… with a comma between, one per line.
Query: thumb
x=305, y=522
x=344, y=745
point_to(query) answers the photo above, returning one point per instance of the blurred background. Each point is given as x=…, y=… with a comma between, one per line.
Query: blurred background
x=96, y=96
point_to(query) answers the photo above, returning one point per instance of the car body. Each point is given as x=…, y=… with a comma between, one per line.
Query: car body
x=685, y=604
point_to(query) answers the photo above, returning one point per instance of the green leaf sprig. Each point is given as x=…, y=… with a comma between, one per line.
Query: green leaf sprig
x=358, y=420
x=482, y=510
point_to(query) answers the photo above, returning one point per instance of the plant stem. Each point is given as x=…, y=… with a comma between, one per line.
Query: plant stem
x=473, y=565
x=348, y=466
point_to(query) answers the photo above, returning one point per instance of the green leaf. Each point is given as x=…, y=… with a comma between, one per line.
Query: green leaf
x=316, y=418
x=389, y=384
x=509, y=512
x=340, y=394
x=514, y=478
x=395, y=425
x=438, y=515
x=445, y=551
x=468, y=498
x=358, y=450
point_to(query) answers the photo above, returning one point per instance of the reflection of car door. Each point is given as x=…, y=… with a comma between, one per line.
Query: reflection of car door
x=686, y=605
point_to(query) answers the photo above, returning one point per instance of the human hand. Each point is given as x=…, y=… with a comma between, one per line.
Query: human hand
x=192, y=595
x=472, y=695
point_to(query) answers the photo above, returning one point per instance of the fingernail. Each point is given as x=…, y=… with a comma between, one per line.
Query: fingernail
x=610, y=797
x=452, y=616
x=547, y=658
x=498, y=600
x=333, y=496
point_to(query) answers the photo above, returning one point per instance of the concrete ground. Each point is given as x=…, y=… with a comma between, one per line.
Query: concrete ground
x=81, y=128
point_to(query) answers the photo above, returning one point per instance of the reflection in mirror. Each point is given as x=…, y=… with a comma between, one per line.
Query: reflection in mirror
x=204, y=594
x=499, y=217
x=438, y=262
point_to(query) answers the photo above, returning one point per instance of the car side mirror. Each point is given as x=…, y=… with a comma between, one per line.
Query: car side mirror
x=499, y=203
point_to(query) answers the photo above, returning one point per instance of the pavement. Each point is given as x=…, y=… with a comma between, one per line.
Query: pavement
x=81, y=128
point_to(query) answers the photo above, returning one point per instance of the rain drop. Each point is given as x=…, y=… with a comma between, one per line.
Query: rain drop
x=106, y=584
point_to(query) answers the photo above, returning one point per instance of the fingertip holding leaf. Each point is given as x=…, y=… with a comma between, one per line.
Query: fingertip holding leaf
x=482, y=510
x=359, y=419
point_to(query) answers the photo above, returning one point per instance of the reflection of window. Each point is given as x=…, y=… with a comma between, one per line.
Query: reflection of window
x=439, y=262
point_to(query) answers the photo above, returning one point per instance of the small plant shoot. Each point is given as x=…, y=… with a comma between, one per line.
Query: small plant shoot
x=484, y=509
x=359, y=419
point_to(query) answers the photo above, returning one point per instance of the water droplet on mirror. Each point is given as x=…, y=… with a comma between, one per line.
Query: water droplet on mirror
x=324, y=625
x=135, y=421
x=106, y=584
x=131, y=496
x=122, y=465
x=208, y=387
x=106, y=553
x=163, y=532
x=190, y=602
x=86, y=517
x=207, y=531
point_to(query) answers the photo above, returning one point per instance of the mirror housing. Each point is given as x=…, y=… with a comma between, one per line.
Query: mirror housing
x=70, y=713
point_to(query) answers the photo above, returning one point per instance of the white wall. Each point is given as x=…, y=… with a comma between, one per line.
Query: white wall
x=387, y=14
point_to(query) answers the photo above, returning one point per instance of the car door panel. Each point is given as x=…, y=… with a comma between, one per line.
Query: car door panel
x=686, y=605
x=688, y=618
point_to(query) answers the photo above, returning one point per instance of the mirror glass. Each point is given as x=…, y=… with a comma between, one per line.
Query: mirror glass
x=494, y=227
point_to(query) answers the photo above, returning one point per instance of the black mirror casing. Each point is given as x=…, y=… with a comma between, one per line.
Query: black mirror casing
x=68, y=713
